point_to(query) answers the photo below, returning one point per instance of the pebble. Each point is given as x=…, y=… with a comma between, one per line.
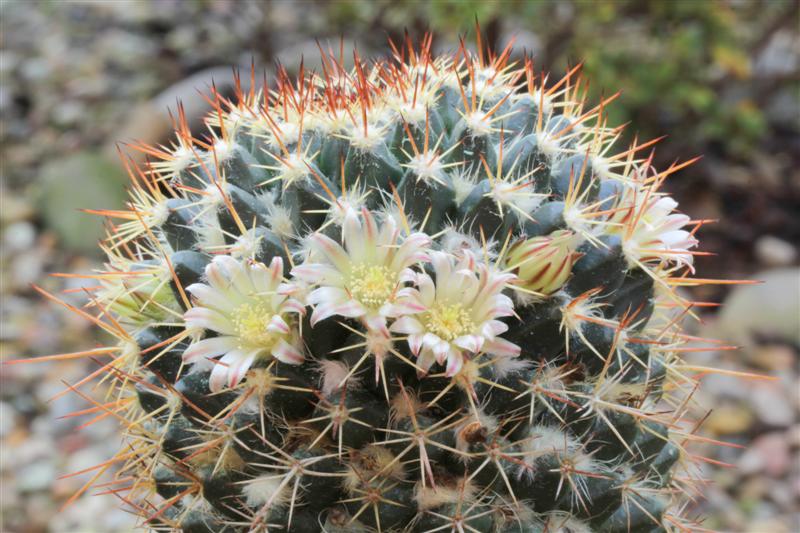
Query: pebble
x=775, y=358
x=13, y=208
x=771, y=406
x=781, y=493
x=7, y=419
x=738, y=323
x=27, y=268
x=769, y=525
x=729, y=419
x=36, y=476
x=769, y=453
x=774, y=252
x=19, y=236
x=69, y=113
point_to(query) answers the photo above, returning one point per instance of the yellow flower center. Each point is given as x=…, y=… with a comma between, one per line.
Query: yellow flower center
x=251, y=321
x=449, y=322
x=371, y=285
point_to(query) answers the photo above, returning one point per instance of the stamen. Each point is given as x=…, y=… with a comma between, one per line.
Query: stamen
x=449, y=321
x=251, y=321
x=371, y=285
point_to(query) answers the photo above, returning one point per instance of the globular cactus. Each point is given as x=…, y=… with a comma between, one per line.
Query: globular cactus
x=427, y=294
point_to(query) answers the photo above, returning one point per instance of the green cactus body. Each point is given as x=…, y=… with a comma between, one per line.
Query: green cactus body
x=425, y=295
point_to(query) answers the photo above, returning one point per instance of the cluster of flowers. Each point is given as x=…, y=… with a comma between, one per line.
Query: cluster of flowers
x=377, y=276
x=448, y=304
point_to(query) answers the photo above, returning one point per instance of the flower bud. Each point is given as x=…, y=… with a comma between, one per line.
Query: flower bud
x=543, y=264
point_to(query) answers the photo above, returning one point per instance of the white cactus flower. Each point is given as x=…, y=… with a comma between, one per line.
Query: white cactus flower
x=364, y=278
x=461, y=312
x=252, y=312
x=652, y=230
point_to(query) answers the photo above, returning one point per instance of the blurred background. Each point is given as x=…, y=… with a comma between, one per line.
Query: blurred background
x=719, y=78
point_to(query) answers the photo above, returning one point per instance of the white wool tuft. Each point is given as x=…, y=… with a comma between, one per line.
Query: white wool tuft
x=260, y=490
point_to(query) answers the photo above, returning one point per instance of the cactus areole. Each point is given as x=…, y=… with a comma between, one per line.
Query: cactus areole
x=425, y=294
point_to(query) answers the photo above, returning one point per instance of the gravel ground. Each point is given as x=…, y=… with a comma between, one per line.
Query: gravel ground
x=75, y=78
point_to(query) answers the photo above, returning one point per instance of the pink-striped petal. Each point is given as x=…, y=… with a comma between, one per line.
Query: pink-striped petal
x=492, y=328
x=286, y=353
x=275, y=270
x=370, y=228
x=425, y=361
x=375, y=322
x=455, y=361
x=201, y=317
x=415, y=343
x=210, y=297
x=402, y=307
x=239, y=368
x=441, y=350
x=352, y=236
x=321, y=312
x=331, y=250
x=472, y=343
x=350, y=309
x=502, y=348
x=216, y=277
x=237, y=273
x=212, y=347
x=278, y=325
x=259, y=275
x=427, y=290
x=310, y=272
x=408, y=325
x=219, y=374
x=327, y=295
x=293, y=306
x=441, y=264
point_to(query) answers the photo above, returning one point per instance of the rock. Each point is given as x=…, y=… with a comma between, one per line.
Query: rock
x=36, y=476
x=19, y=236
x=729, y=419
x=775, y=358
x=771, y=405
x=27, y=268
x=69, y=113
x=13, y=207
x=774, y=252
x=773, y=525
x=92, y=515
x=87, y=180
x=769, y=308
x=7, y=419
x=779, y=56
x=781, y=493
x=769, y=454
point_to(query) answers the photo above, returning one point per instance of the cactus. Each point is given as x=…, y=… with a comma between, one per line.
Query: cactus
x=427, y=294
